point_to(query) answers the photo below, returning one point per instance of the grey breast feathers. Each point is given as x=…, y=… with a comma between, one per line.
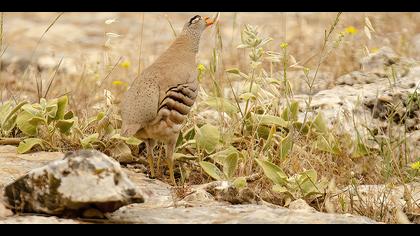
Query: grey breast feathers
x=139, y=105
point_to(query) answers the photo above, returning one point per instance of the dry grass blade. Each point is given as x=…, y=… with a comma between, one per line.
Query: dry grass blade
x=42, y=36
x=52, y=79
x=110, y=72
x=172, y=27
x=38, y=88
x=1, y=47
x=141, y=43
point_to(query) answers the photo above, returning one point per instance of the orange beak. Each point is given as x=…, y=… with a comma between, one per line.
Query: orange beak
x=208, y=21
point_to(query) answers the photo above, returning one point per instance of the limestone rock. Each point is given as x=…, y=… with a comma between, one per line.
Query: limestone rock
x=301, y=204
x=383, y=200
x=83, y=179
x=378, y=61
x=416, y=45
x=357, y=77
x=38, y=220
x=225, y=191
x=234, y=214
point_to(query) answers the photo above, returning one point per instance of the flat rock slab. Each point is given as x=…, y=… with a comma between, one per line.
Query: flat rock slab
x=29, y=219
x=234, y=214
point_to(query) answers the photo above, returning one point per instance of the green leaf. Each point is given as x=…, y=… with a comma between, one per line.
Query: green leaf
x=270, y=120
x=254, y=89
x=305, y=129
x=263, y=132
x=27, y=144
x=307, y=183
x=327, y=145
x=230, y=165
x=220, y=156
x=183, y=157
x=87, y=141
x=275, y=81
x=286, y=144
x=247, y=96
x=291, y=113
x=4, y=110
x=273, y=172
x=129, y=140
x=233, y=71
x=360, y=149
x=240, y=182
x=8, y=121
x=42, y=104
x=23, y=124
x=133, y=141
x=9, y=124
x=36, y=120
x=64, y=125
x=51, y=111
x=100, y=116
x=319, y=124
x=179, y=140
x=279, y=189
x=32, y=109
x=222, y=105
x=69, y=115
x=189, y=134
x=269, y=141
x=212, y=170
x=207, y=138
x=62, y=103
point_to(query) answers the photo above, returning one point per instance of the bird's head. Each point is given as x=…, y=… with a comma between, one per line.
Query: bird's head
x=197, y=24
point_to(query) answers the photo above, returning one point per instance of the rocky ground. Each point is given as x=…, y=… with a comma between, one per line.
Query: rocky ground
x=384, y=81
x=161, y=205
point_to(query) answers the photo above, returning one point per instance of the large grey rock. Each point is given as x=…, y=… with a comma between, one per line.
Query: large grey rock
x=82, y=180
x=234, y=214
x=377, y=62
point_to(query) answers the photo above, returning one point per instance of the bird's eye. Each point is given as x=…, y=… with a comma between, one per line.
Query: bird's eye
x=195, y=19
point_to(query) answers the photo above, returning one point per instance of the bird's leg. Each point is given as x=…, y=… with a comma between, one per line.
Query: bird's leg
x=170, y=147
x=150, y=144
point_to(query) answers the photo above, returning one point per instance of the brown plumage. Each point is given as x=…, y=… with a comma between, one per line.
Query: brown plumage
x=158, y=102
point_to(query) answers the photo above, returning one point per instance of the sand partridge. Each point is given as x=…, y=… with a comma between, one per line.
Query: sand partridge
x=158, y=101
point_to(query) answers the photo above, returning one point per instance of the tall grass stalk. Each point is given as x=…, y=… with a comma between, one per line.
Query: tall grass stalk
x=310, y=81
x=1, y=51
x=140, y=44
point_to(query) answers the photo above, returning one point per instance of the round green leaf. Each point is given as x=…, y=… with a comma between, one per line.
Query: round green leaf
x=208, y=137
x=212, y=170
x=27, y=144
x=23, y=124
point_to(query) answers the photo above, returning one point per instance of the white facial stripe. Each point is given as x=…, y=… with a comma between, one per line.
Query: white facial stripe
x=195, y=19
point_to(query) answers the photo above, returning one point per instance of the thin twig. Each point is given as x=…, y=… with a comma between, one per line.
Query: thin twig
x=10, y=141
